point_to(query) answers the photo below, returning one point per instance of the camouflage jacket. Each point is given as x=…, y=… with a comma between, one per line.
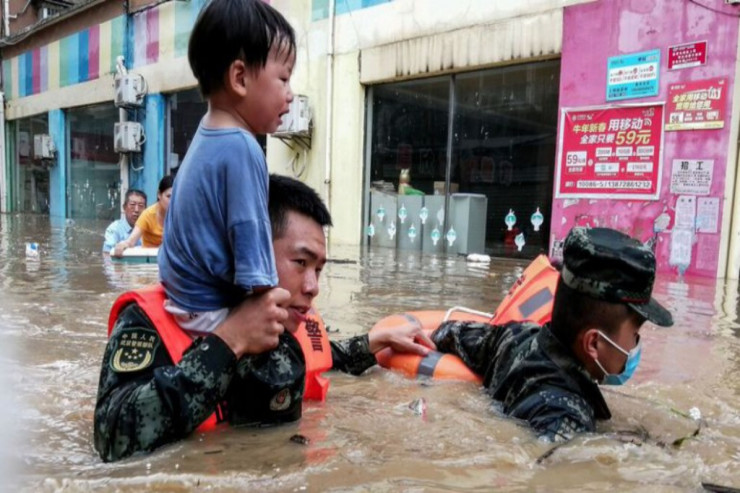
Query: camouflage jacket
x=533, y=375
x=145, y=401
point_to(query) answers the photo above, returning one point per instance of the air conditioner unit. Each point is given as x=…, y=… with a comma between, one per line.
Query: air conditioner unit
x=46, y=12
x=43, y=147
x=298, y=119
x=128, y=137
x=130, y=90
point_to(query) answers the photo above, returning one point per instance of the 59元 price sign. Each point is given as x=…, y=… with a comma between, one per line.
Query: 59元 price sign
x=610, y=152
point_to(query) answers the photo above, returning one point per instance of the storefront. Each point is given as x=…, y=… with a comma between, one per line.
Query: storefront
x=474, y=112
x=93, y=184
x=499, y=151
x=29, y=176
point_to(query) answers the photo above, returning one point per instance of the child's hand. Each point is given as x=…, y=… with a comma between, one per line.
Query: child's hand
x=255, y=325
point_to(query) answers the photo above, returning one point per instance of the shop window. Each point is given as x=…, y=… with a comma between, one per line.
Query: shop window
x=94, y=175
x=185, y=110
x=502, y=149
x=410, y=121
x=32, y=174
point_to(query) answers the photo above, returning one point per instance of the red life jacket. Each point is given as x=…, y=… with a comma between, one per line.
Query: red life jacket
x=311, y=335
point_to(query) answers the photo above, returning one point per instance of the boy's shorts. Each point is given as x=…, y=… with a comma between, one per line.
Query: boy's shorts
x=196, y=323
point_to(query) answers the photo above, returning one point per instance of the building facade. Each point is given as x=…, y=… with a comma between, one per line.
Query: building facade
x=503, y=124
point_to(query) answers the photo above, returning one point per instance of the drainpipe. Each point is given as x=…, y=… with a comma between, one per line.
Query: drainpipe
x=122, y=117
x=3, y=184
x=329, y=104
x=729, y=253
x=6, y=18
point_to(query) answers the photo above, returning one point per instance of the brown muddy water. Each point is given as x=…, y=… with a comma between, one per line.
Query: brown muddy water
x=53, y=315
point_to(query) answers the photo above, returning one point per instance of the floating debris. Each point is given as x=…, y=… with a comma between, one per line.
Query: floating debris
x=419, y=406
x=32, y=251
x=717, y=488
x=300, y=439
x=479, y=257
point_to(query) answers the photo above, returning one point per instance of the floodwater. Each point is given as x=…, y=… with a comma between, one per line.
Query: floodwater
x=53, y=315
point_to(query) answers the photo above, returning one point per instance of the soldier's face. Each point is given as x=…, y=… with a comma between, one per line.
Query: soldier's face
x=300, y=255
x=626, y=338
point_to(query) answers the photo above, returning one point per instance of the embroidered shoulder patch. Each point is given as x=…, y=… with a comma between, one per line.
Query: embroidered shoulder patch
x=281, y=400
x=135, y=350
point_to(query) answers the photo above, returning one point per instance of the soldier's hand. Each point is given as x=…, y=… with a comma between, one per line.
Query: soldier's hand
x=404, y=337
x=255, y=325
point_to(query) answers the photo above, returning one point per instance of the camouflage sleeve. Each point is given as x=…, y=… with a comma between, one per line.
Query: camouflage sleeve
x=144, y=401
x=352, y=355
x=473, y=342
x=555, y=414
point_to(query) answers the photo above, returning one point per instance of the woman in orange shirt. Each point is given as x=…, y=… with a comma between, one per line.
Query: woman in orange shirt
x=150, y=224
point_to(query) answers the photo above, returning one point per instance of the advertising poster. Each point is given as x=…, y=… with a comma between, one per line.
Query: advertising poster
x=707, y=215
x=610, y=152
x=687, y=55
x=633, y=76
x=681, y=243
x=692, y=176
x=685, y=213
x=696, y=105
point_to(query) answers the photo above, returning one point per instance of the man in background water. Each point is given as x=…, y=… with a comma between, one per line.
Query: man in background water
x=120, y=229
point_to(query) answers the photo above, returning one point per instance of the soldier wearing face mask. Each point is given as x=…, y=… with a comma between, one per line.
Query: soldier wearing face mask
x=549, y=375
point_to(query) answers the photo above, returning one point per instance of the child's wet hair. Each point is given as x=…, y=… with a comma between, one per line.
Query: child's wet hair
x=229, y=30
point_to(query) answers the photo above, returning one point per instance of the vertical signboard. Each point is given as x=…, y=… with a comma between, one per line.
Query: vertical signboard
x=610, y=152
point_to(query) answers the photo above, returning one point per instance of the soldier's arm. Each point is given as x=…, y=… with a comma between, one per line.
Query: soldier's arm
x=352, y=355
x=473, y=342
x=554, y=414
x=144, y=401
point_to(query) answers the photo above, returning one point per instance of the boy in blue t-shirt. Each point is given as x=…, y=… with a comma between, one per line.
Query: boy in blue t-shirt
x=218, y=246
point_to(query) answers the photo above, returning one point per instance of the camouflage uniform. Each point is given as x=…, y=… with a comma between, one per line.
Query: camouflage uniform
x=145, y=401
x=530, y=372
x=526, y=367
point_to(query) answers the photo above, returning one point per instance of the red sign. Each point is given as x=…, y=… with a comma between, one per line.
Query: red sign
x=610, y=152
x=687, y=55
x=696, y=105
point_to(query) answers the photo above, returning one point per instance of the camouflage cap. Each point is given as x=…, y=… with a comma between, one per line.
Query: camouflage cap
x=611, y=266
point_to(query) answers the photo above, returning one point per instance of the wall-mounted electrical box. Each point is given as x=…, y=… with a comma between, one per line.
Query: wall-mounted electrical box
x=130, y=90
x=298, y=119
x=128, y=137
x=43, y=147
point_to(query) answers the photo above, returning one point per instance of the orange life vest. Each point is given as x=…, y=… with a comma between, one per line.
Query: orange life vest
x=530, y=298
x=311, y=335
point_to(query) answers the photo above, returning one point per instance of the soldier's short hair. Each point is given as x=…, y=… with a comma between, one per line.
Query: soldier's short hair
x=574, y=311
x=288, y=194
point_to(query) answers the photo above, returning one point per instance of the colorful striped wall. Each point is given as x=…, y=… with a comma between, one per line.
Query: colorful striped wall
x=83, y=56
x=162, y=32
x=320, y=8
x=155, y=34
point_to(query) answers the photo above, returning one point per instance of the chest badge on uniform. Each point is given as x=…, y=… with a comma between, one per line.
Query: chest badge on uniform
x=281, y=400
x=135, y=350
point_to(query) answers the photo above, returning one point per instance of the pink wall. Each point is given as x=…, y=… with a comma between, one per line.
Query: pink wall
x=594, y=32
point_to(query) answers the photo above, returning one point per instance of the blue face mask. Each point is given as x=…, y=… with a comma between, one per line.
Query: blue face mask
x=633, y=359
